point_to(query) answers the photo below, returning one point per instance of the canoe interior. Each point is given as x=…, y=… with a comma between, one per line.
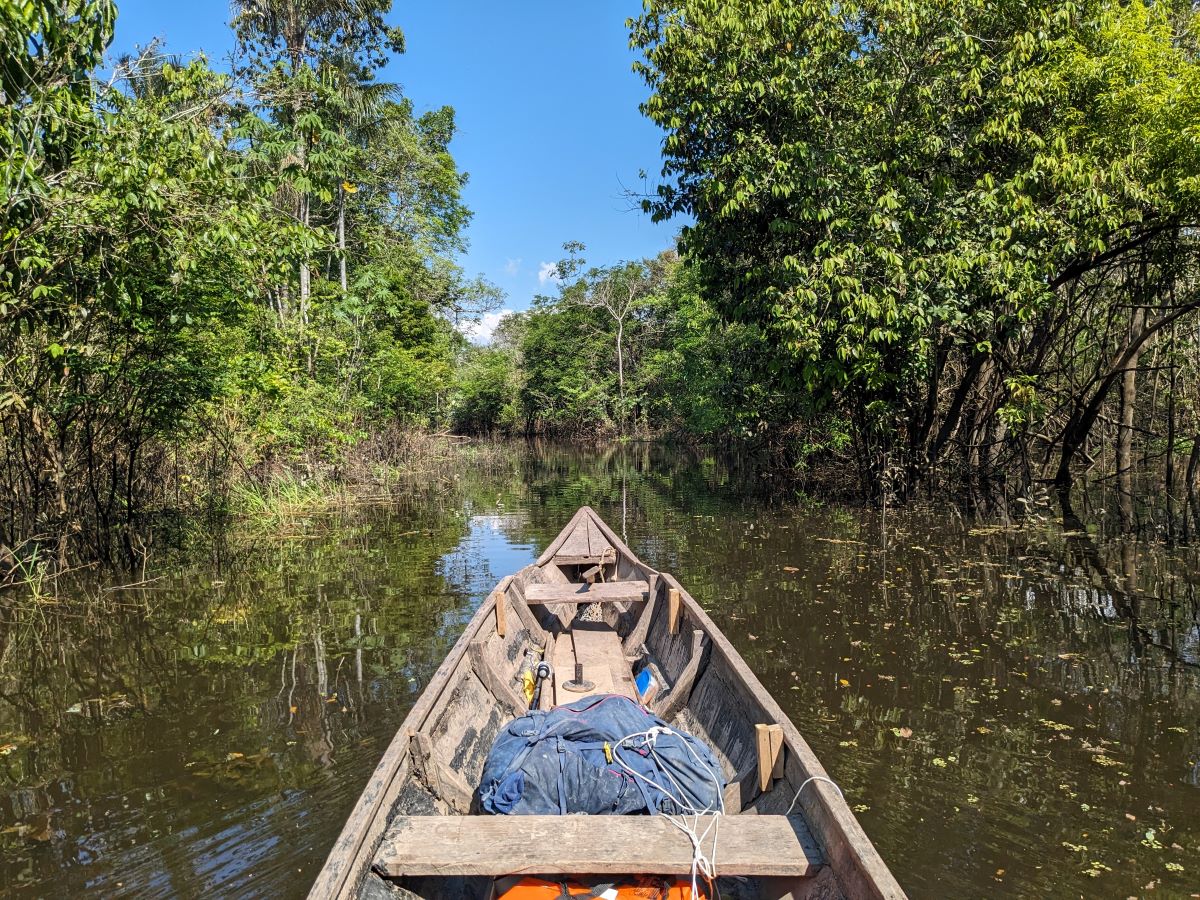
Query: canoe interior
x=434, y=764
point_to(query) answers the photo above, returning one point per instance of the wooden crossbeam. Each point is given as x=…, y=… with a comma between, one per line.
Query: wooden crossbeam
x=609, y=592
x=596, y=845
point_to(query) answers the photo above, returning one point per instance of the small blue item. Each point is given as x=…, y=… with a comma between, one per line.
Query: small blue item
x=643, y=682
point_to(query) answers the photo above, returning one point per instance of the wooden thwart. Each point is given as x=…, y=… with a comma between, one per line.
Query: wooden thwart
x=610, y=592
x=585, y=559
x=597, y=845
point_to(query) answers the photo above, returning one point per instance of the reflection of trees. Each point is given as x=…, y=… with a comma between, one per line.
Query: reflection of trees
x=190, y=693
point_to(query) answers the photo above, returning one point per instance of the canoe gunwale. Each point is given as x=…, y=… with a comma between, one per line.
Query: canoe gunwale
x=851, y=856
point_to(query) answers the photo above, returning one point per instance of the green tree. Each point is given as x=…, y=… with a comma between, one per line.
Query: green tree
x=898, y=192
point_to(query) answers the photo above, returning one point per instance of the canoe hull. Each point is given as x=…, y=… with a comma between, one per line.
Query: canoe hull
x=433, y=764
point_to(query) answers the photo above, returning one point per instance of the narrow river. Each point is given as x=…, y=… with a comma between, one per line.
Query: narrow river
x=1013, y=710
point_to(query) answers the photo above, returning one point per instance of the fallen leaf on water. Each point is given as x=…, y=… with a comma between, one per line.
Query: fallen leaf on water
x=843, y=682
x=790, y=569
x=753, y=637
x=230, y=757
x=904, y=731
x=1131, y=817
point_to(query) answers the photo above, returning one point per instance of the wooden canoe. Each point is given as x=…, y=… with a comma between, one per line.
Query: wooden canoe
x=416, y=831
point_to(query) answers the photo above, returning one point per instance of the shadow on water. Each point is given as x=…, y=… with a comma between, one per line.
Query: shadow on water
x=1011, y=706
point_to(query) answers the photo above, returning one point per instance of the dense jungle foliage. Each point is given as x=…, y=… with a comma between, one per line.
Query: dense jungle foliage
x=922, y=243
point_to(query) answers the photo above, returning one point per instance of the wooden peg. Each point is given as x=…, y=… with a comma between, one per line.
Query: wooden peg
x=777, y=751
x=768, y=741
x=673, y=610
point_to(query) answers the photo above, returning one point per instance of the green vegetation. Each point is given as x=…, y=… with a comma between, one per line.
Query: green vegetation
x=208, y=276
x=959, y=226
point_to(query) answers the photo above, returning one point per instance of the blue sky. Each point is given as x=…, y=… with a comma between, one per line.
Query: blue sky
x=547, y=110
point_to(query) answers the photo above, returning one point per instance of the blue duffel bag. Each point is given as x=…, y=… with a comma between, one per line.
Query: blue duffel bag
x=602, y=755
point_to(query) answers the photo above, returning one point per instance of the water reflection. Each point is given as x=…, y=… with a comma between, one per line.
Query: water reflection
x=1011, y=706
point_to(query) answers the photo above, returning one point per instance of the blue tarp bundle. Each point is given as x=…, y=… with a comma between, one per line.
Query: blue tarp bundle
x=569, y=760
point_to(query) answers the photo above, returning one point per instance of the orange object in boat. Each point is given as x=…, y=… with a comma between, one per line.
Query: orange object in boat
x=640, y=888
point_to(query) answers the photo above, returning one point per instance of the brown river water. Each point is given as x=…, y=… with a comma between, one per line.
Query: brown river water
x=1013, y=710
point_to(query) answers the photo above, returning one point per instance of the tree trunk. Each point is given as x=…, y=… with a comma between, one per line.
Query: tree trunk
x=1085, y=414
x=621, y=366
x=1125, y=429
x=341, y=236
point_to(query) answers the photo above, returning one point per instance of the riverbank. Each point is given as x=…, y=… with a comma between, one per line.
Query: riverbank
x=218, y=487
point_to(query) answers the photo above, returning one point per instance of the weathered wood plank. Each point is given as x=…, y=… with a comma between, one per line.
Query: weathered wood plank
x=672, y=610
x=741, y=789
x=613, y=845
x=608, y=592
x=502, y=690
x=501, y=615
x=608, y=556
x=768, y=741
x=516, y=596
x=637, y=636
x=681, y=690
x=598, y=647
x=443, y=782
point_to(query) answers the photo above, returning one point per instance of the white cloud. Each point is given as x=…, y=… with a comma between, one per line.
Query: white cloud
x=481, y=332
x=513, y=266
x=548, y=272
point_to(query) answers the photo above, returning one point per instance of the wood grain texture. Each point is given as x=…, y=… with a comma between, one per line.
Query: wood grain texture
x=597, y=646
x=669, y=706
x=500, y=687
x=596, y=845
x=445, y=784
x=609, y=592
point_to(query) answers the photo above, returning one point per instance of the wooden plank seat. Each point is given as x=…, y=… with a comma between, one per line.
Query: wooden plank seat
x=591, y=845
x=608, y=592
x=585, y=559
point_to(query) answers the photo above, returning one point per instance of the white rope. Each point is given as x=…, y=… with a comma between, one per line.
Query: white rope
x=806, y=781
x=703, y=864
